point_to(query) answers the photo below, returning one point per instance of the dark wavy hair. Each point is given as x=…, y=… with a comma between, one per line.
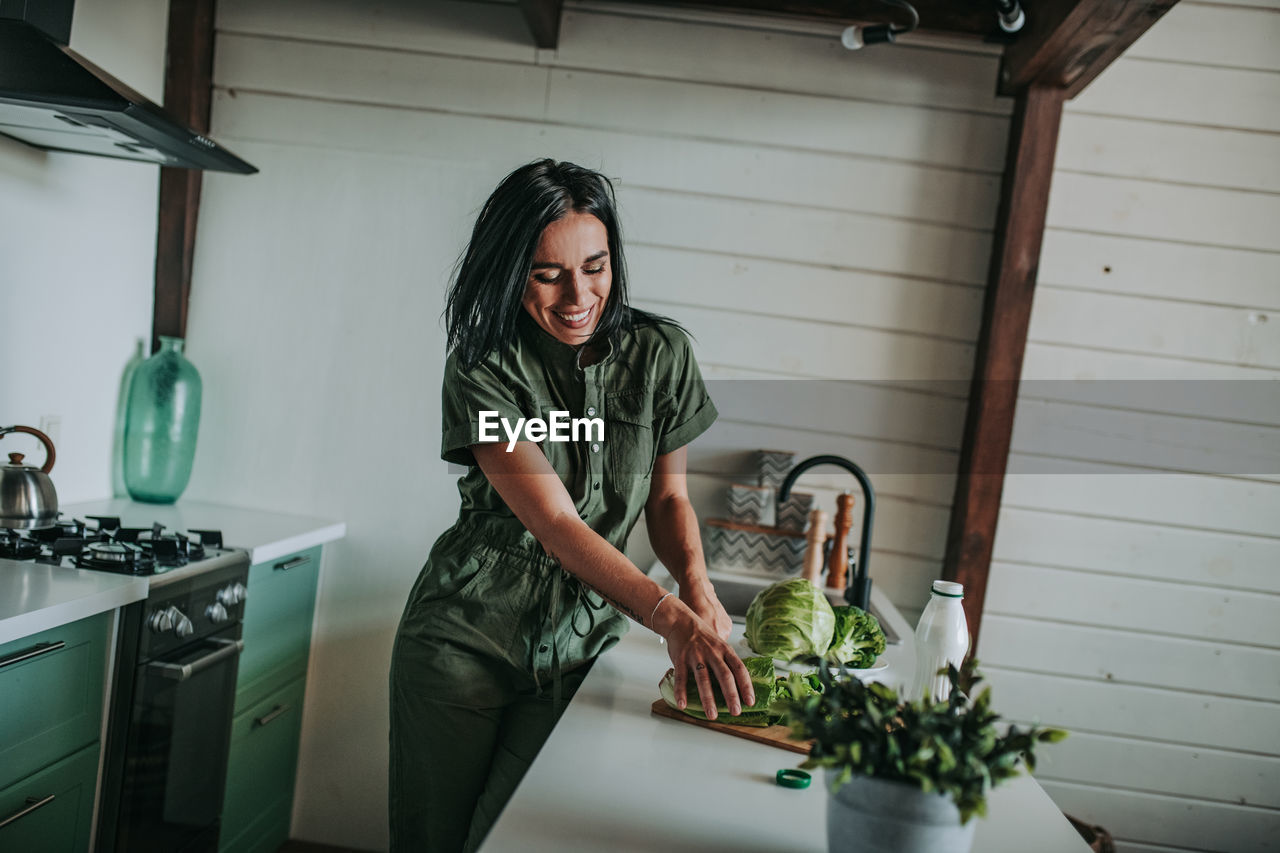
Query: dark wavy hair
x=489, y=282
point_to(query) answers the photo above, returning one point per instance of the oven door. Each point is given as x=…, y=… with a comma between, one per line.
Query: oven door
x=176, y=758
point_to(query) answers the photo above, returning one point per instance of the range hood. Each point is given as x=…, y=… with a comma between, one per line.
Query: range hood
x=55, y=99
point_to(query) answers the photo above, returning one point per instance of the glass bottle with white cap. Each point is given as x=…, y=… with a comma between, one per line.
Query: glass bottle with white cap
x=942, y=637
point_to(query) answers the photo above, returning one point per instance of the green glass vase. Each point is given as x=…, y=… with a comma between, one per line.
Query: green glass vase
x=161, y=421
x=118, y=488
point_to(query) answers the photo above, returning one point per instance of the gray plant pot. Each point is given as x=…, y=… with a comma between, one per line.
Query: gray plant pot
x=871, y=815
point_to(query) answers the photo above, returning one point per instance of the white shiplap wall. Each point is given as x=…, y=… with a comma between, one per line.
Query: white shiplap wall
x=806, y=212
x=1134, y=594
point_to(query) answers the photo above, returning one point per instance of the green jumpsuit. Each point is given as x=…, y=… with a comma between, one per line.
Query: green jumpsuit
x=495, y=631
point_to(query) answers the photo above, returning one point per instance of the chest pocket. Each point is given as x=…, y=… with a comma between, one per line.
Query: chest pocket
x=629, y=439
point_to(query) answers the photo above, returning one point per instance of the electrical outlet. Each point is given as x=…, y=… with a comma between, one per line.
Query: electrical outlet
x=51, y=425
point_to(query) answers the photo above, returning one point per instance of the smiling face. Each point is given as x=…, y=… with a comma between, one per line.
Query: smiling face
x=570, y=279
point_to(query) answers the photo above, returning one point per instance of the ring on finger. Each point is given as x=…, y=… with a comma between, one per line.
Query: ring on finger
x=701, y=666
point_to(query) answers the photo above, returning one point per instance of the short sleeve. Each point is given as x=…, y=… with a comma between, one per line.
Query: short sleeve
x=464, y=395
x=688, y=411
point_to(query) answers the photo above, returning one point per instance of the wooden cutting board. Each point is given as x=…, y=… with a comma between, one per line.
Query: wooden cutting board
x=778, y=736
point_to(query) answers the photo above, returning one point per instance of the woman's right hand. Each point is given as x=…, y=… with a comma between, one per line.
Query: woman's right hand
x=695, y=646
x=702, y=600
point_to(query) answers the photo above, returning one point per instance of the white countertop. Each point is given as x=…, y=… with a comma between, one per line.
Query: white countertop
x=35, y=598
x=265, y=535
x=615, y=777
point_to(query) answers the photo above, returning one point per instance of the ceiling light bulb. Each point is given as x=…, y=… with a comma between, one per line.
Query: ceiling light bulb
x=852, y=37
x=1011, y=16
x=855, y=37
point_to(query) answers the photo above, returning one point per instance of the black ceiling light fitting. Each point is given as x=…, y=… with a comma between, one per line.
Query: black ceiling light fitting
x=1010, y=16
x=856, y=36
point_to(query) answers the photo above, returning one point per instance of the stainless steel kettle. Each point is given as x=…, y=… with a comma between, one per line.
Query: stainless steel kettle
x=27, y=496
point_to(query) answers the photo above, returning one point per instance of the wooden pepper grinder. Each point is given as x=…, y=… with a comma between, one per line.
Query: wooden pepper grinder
x=817, y=539
x=838, y=563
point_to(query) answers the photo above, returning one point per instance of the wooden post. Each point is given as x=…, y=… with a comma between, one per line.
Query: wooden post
x=543, y=18
x=188, y=89
x=1006, y=314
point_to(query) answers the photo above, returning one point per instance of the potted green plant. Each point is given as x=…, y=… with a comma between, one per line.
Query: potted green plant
x=907, y=777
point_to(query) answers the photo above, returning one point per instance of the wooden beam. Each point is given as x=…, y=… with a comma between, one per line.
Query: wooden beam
x=939, y=16
x=1068, y=43
x=188, y=88
x=1065, y=43
x=543, y=18
x=1006, y=314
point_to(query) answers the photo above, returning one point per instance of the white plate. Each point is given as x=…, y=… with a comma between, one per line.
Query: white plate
x=784, y=667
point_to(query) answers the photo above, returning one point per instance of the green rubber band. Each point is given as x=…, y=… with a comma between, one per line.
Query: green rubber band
x=788, y=778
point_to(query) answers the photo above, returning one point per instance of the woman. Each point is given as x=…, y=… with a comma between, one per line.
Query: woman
x=530, y=584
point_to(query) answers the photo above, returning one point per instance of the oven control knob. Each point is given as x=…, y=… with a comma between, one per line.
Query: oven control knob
x=216, y=613
x=184, y=628
x=231, y=595
x=162, y=620
x=241, y=592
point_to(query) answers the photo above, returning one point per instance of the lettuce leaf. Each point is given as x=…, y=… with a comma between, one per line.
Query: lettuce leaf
x=763, y=682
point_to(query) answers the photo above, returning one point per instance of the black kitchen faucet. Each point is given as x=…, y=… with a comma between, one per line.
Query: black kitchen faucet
x=858, y=591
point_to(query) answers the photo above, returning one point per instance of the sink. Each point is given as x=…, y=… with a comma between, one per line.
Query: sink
x=737, y=591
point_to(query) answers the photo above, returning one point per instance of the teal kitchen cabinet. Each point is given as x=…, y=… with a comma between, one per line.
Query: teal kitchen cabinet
x=51, y=705
x=51, y=809
x=262, y=767
x=264, y=755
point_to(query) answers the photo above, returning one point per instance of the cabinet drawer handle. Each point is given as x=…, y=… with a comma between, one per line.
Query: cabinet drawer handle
x=33, y=803
x=33, y=652
x=293, y=564
x=270, y=717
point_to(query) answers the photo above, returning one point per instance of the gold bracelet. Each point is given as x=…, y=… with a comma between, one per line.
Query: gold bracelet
x=656, y=606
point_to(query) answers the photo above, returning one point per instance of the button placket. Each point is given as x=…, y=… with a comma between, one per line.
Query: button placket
x=594, y=459
x=543, y=662
x=544, y=643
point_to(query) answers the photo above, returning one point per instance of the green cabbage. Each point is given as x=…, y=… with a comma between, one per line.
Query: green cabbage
x=763, y=682
x=790, y=619
x=858, y=638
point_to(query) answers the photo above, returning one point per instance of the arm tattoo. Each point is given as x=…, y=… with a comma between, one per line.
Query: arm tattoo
x=617, y=605
x=620, y=607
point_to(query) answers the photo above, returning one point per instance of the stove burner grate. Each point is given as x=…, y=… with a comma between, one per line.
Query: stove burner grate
x=103, y=543
x=15, y=547
x=123, y=557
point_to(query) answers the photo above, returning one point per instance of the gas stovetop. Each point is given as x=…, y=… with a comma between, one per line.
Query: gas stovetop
x=100, y=542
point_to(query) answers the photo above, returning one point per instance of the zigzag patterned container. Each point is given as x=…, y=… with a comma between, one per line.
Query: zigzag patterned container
x=772, y=466
x=793, y=513
x=749, y=504
x=748, y=549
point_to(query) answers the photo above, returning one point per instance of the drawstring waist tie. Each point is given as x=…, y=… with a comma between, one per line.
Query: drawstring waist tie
x=513, y=545
x=560, y=582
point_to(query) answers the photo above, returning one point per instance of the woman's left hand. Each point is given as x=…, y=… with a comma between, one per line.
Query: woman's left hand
x=701, y=599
